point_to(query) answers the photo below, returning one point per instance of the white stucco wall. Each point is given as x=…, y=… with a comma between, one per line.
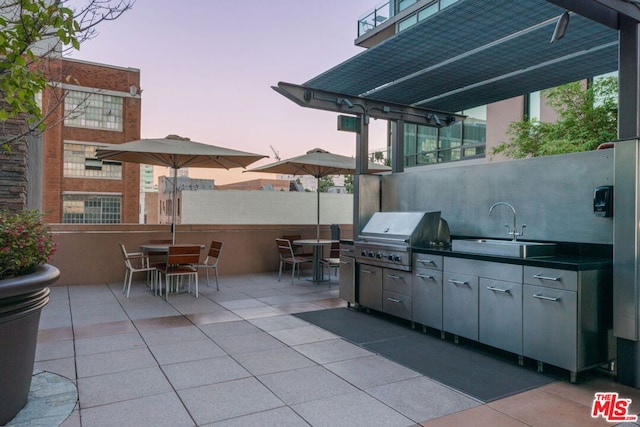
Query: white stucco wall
x=264, y=207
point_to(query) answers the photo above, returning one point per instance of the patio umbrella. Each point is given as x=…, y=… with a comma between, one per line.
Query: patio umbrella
x=318, y=163
x=176, y=152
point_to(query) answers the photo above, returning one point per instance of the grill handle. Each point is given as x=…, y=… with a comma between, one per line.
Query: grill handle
x=385, y=239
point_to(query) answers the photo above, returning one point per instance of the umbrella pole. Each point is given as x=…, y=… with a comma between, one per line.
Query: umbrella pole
x=318, y=211
x=173, y=205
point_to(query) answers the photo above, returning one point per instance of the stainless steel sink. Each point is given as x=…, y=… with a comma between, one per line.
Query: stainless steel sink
x=504, y=247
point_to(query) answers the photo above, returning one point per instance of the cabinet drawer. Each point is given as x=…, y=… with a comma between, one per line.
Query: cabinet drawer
x=460, y=304
x=396, y=281
x=500, y=317
x=551, y=277
x=427, y=261
x=488, y=269
x=396, y=304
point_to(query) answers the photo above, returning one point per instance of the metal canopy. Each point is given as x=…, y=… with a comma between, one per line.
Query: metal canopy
x=476, y=52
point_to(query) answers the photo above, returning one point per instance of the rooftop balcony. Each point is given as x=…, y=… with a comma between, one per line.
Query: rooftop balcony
x=245, y=355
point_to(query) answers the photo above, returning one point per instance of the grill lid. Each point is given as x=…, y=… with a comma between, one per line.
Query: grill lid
x=413, y=228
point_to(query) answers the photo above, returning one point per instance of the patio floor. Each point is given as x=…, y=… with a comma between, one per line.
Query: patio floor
x=236, y=357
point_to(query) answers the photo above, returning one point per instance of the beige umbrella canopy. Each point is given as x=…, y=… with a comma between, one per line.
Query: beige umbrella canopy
x=176, y=152
x=318, y=163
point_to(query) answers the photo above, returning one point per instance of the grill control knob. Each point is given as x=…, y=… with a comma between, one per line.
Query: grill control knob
x=371, y=254
x=398, y=258
x=390, y=257
x=379, y=255
x=363, y=253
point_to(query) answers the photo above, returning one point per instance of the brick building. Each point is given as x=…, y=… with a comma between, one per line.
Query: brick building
x=102, y=105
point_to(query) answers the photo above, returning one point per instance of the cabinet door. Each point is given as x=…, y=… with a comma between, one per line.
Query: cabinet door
x=460, y=304
x=370, y=286
x=426, y=297
x=549, y=328
x=500, y=316
x=347, y=279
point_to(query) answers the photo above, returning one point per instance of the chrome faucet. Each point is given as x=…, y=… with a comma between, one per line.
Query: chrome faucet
x=515, y=232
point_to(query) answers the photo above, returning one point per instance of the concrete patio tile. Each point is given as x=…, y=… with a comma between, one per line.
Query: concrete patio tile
x=55, y=318
x=297, y=307
x=109, y=343
x=177, y=352
x=72, y=420
x=219, y=316
x=256, y=312
x=54, y=334
x=281, y=417
x=64, y=367
x=422, y=399
x=170, y=335
x=323, y=352
x=226, y=400
x=229, y=329
x=204, y=372
x=54, y=350
x=121, y=386
x=163, y=322
x=278, y=322
x=371, y=371
x=238, y=344
x=242, y=303
x=357, y=408
x=164, y=410
x=149, y=311
x=196, y=305
x=306, y=384
x=115, y=361
x=102, y=329
x=271, y=361
x=302, y=335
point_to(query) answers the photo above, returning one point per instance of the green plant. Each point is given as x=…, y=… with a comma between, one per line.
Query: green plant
x=25, y=242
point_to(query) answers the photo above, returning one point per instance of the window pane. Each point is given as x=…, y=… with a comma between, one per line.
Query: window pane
x=93, y=110
x=91, y=209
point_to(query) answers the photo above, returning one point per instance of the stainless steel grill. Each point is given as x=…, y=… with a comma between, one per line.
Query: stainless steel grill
x=387, y=238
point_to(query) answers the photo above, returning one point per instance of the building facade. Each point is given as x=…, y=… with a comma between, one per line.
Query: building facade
x=102, y=105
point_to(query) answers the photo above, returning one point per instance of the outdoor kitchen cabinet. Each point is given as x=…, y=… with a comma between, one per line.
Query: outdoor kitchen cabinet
x=347, y=277
x=565, y=317
x=370, y=286
x=500, y=313
x=426, y=296
x=460, y=297
x=396, y=293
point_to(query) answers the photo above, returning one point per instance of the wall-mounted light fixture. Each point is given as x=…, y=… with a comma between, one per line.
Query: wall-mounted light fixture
x=561, y=27
x=344, y=101
x=435, y=119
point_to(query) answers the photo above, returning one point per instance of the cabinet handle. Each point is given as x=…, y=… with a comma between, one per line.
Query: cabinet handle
x=504, y=291
x=362, y=270
x=458, y=282
x=541, y=277
x=394, y=276
x=345, y=263
x=393, y=299
x=425, y=276
x=556, y=299
x=427, y=261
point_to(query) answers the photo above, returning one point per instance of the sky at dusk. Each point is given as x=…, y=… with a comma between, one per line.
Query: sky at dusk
x=207, y=67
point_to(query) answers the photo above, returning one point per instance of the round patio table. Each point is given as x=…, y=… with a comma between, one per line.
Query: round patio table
x=318, y=271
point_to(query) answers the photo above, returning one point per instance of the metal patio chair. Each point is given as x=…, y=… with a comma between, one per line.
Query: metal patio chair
x=287, y=256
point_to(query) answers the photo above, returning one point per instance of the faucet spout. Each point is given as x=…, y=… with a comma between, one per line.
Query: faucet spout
x=513, y=233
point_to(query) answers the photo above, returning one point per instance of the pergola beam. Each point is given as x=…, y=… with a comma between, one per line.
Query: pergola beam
x=357, y=105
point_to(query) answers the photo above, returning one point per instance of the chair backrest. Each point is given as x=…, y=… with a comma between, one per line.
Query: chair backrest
x=186, y=254
x=215, y=249
x=292, y=237
x=284, y=248
x=334, y=252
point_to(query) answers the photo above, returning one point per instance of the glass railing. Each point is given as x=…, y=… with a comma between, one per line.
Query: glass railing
x=375, y=17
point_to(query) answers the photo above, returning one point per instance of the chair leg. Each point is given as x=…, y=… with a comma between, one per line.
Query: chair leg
x=280, y=271
x=293, y=271
x=206, y=269
x=195, y=276
x=129, y=283
x=217, y=286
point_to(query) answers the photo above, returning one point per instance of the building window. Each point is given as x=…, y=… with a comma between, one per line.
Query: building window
x=91, y=209
x=425, y=12
x=424, y=145
x=80, y=162
x=93, y=110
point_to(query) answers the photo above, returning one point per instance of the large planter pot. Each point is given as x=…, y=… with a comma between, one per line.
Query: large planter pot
x=21, y=300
